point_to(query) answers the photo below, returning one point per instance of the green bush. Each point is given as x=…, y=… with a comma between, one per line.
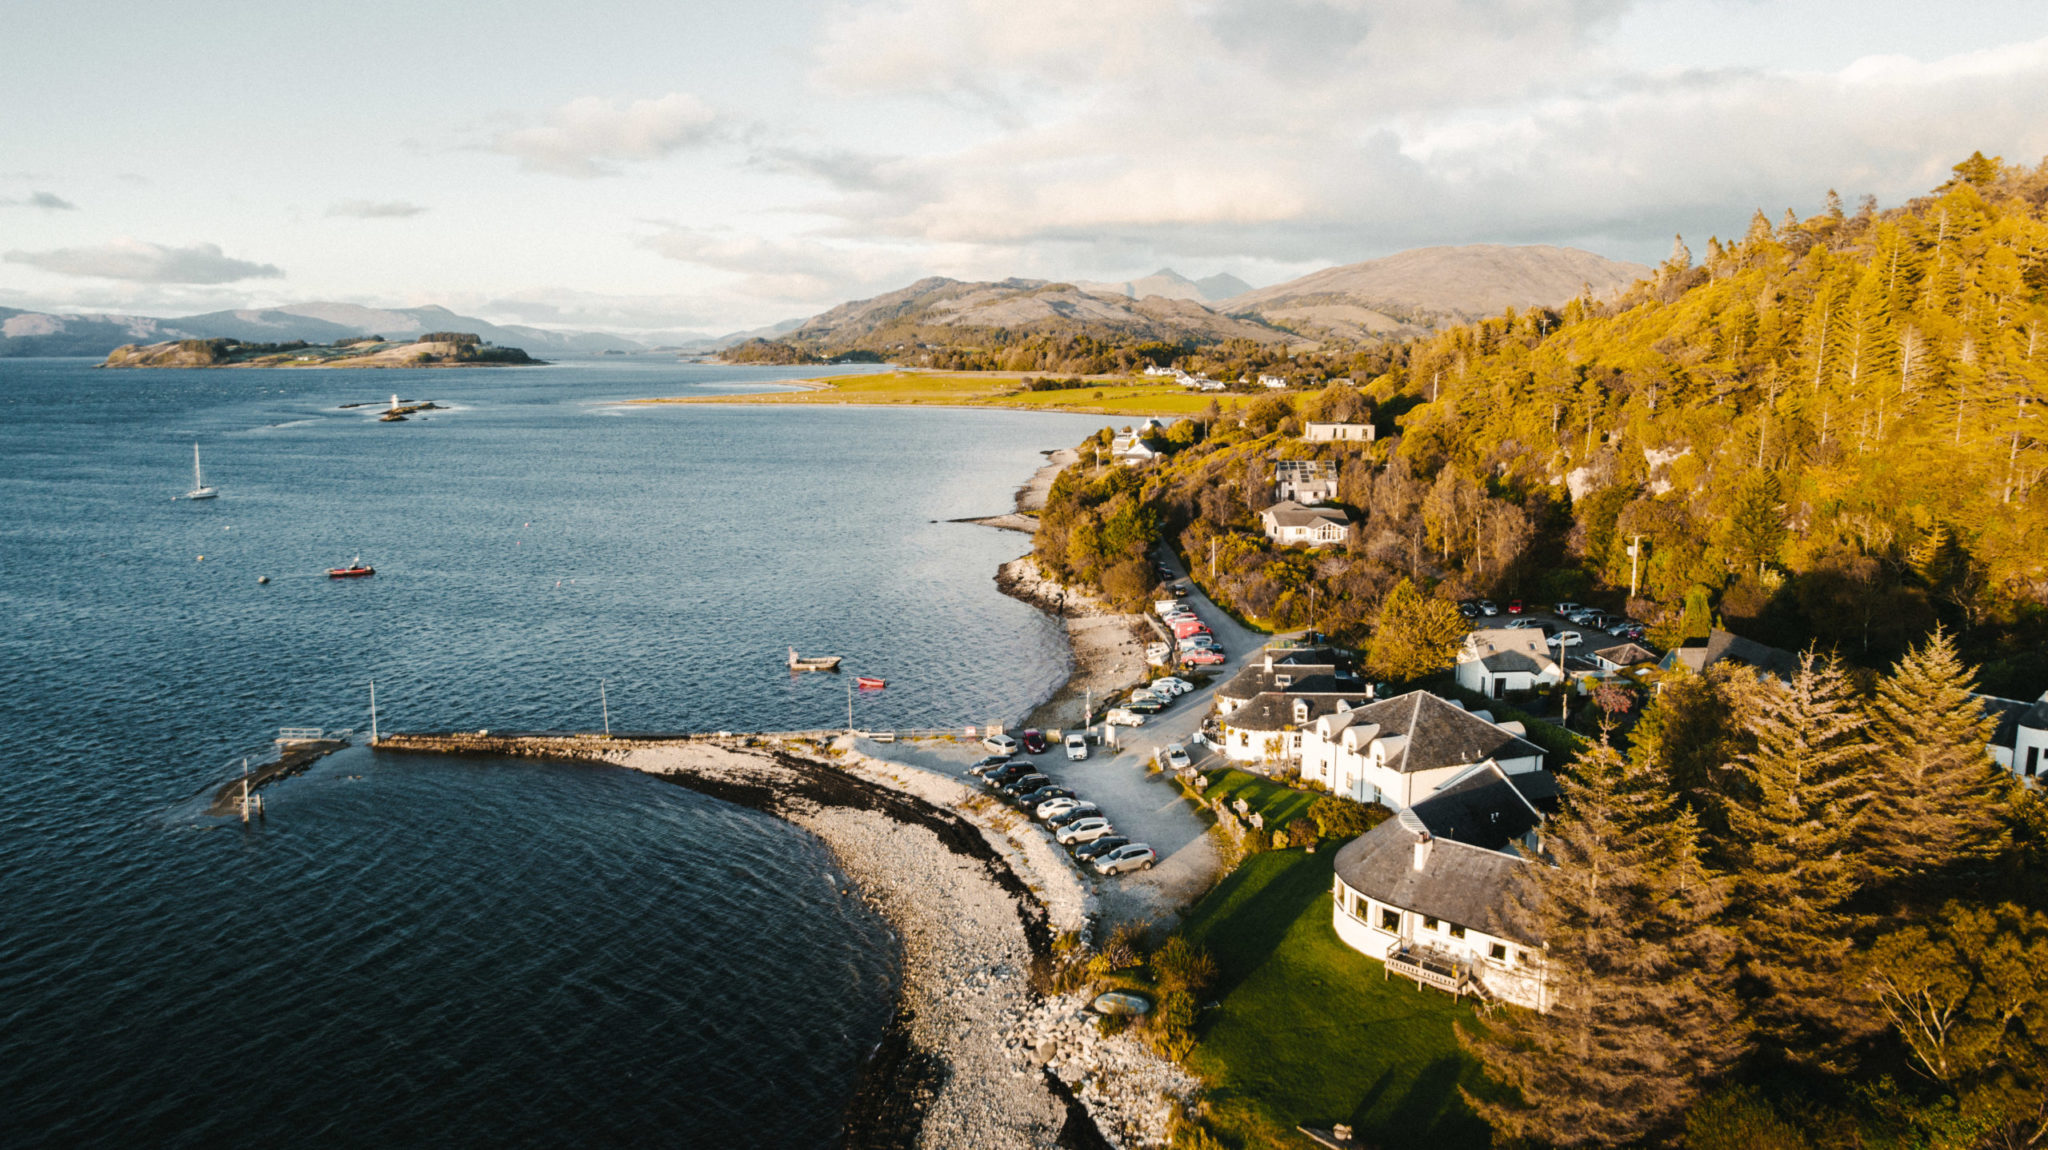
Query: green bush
x=1740, y=1119
x=1341, y=818
x=1181, y=965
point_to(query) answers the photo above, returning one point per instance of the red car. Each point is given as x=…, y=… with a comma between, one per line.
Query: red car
x=1515, y=607
x=1034, y=742
x=1202, y=658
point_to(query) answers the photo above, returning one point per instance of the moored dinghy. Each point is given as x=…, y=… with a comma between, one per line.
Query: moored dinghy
x=870, y=682
x=813, y=662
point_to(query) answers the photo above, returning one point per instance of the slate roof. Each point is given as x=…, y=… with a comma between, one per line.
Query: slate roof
x=1626, y=654
x=1460, y=883
x=2011, y=715
x=1274, y=710
x=1440, y=734
x=1504, y=649
x=1482, y=808
x=1699, y=654
x=1288, y=513
x=1254, y=680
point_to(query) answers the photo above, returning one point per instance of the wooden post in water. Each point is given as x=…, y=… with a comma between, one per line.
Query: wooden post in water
x=245, y=791
x=373, y=712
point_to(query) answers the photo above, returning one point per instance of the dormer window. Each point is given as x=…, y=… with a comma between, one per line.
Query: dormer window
x=1283, y=680
x=1301, y=710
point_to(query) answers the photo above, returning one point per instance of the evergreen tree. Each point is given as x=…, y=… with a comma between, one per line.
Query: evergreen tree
x=1642, y=1017
x=1416, y=637
x=1939, y=814
x=1756, y=527
x=1804, y=791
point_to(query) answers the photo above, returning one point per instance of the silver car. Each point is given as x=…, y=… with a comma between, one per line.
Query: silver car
x=1084, y=830
x=1136, y=856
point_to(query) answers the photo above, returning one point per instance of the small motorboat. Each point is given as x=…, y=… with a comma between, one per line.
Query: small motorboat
x=355, y=570
x=870, y=683
x=812, y=663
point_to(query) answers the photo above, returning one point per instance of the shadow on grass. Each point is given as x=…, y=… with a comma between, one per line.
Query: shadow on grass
x=1430, y=1113
x=1244, y=919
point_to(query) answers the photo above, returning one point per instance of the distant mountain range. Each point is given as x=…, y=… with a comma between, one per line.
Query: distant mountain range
x=1169, y=284
x=25, y=333
x=939, y=309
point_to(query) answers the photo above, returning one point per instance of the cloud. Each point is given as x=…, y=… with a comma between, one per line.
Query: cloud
x=788, y=271
x=376, y=209
x=140, y=262
x=589, y=136
x=48, y=201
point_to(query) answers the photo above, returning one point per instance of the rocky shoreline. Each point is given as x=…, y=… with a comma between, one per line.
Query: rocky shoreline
x=1107, y=646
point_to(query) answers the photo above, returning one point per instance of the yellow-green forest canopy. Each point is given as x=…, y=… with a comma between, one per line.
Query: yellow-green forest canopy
x=1110, y=396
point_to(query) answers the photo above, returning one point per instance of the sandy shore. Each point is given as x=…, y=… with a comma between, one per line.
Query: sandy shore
x=1108, y=647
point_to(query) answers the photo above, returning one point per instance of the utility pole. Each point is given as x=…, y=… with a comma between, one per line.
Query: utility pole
x=1212, y=560
x=849, y=708
x=607, y=705
x=1635, y=551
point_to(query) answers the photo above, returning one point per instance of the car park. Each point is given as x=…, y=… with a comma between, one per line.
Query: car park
x=1084, y=830
x=1077, y=746
x=1000, y=744
x=1074, y=814
x=1135, y=856
x=1124, y=717
x=1034, y=742
x=1177, y=757
x=1088, y=852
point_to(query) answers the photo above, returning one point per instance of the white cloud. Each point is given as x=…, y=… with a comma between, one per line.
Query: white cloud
x=588, y=137
x=376, y=209
x=790, y=272
x=140, y=262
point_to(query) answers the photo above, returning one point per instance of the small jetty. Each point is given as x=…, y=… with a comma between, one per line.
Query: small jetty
x=297, y=749
x=813, y=662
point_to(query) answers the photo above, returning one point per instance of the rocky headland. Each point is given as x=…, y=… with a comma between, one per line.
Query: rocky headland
x=435, y=349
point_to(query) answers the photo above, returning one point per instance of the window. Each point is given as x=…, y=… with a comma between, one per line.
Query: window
x=1428, y=922
x=1457, y=931
x=1522, y=958
x=1390, y=920
x=2033, y=760
x=1498, y=952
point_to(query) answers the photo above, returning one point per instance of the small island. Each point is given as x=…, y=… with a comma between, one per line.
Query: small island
x=434, y=349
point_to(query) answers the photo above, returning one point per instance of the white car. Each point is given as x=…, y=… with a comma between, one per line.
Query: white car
x=1052, y=808
x=1077, y=746
x=1177, y=757
x=1564, y=639
x=1133, y=856
x=1173, y=686
x=1198, y=643
x=1000, y=744
x=1119, y=717
x=1084, y=831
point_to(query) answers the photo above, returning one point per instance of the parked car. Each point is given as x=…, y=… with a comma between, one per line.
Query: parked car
x=1522, y=624
x=1074, y=814
x=1180, y=592
x=1102, y=846
x=1488, y=607
x=1034, y=742
x=1084, y=830
x=1077, y=746
x=1198, y=643
x=1135, y=856
x=1469, y=610
x=1177, y=757
x=1563, y=639
x=1203, y=656
x=1006, y=774
x=1177, y=686
x=1000, y=744
x=1032, y=800
x=1144, y=706
x=1123, y=717
x=1514, y=606
x=1188, y=627
x=986, y=764
x=1025, y=784
x=1056, y=806
x=1567, y=608
x=1148, y=695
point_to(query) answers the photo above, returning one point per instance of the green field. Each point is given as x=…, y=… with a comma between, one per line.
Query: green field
x=1309, y=1030
x=980, y=389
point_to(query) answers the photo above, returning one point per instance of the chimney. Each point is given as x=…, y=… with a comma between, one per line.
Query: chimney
x=1269, y=660
x=1422, y=851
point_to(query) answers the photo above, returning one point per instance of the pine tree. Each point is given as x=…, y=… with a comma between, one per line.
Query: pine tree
x=1642, y=1016
x=1805, y=788
x=1939, y=818
x=1415, y=636
x=1756, y=527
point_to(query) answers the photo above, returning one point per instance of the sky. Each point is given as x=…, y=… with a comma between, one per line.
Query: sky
x=659, y=167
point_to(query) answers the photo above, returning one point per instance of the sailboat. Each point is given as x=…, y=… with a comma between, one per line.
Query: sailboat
x=199, y=488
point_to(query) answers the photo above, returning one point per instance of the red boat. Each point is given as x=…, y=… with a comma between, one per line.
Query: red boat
x=867, y=682
x=355, y=570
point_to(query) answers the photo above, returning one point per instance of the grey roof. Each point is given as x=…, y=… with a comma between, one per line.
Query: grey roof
x=1460, y=883
x=1699, y=654
x=2011, y=715
x=1274, y=710
x=1539, y=787
x=1288, y=513
x=1254, y=680
x=1483, y=808
x=1440, y=734
x=1626, y=654
x=1504, y=661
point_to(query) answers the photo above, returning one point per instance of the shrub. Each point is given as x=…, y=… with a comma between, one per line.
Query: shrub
x=1342, y=818
x=1181, y=965
x=1303, y=833
x=1173, y=1025
x=1740, y=1119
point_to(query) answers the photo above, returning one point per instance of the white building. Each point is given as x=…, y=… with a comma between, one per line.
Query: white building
x=1402, y=751
x=1337, y=432
x=2020, y=742
x=1265, y=710
x=1496, y=660
x=1426, y=892
x=1289, y=524
x=1306, y=481
x=1130, y=447
x=1272, y=381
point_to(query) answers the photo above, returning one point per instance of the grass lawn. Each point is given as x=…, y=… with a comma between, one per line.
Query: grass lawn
x=1309, y=1030
x=1279, y=804
x=979, y=389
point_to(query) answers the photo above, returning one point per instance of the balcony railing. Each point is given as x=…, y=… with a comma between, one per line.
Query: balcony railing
x=1427, y=967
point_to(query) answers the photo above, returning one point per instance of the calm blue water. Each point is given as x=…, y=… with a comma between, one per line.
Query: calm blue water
x=424, y=951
